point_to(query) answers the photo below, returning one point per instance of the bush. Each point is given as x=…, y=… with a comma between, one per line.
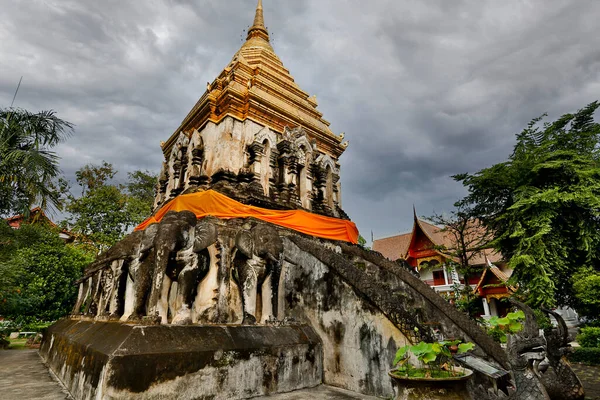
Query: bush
x=586, y=355
x=589, y=337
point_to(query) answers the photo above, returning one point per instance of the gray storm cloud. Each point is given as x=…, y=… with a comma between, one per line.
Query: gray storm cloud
x=423, y=90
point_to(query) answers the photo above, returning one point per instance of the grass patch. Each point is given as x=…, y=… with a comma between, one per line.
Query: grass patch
x=18, y=344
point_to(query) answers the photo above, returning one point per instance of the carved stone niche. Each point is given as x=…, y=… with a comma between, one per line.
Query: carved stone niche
x=196, y=177
x=281, y=165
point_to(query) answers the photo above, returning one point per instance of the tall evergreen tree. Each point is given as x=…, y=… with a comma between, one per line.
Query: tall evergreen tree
x=543, y=205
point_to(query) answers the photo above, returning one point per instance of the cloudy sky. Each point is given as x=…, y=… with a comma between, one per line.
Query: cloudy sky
x=423, y=88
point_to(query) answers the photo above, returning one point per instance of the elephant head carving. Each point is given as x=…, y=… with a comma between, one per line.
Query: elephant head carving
x=175, y=233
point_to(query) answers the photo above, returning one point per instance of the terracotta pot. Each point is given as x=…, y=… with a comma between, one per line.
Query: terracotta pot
x=454, y=388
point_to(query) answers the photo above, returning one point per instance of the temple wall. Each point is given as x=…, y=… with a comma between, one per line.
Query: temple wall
x=359, y=342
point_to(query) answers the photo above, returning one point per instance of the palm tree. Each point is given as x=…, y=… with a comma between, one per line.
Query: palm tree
x=27, y=165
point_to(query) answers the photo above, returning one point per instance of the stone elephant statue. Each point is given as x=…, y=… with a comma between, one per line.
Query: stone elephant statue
x=104, y=280
x=258, y=254
x=179, y=257
x=192, y=265
x=139, y=276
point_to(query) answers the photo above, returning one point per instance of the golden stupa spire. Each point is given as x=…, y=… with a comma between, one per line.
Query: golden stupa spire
x=258, y=29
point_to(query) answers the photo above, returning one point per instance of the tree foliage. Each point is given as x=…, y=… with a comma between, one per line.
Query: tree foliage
x=468, y=236
x=468, y=240
x=27, y=165
x=105, y=212
x=543, y=205
x=37, y=272
x=586, y=287
x=142, y=186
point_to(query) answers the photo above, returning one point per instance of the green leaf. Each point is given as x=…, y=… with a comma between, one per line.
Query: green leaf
x=429, y=357
x=516, y=316
x=420, y=349
x=401, y=354
x=464, y=347
x=515, y=327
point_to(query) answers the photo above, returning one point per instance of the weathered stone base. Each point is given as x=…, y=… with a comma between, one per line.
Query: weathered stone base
x=106, y=360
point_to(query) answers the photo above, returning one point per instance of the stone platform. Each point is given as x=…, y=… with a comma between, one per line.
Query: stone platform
x=119, y=361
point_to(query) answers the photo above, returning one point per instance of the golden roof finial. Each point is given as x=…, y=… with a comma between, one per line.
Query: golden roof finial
x=258, y=29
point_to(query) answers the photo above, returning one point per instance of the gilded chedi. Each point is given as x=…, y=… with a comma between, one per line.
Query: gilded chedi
x=257, y=137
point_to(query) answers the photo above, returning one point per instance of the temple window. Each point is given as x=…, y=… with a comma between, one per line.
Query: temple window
x=439, y=278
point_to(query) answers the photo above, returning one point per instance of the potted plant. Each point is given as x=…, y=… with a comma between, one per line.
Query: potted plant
x=428, y=371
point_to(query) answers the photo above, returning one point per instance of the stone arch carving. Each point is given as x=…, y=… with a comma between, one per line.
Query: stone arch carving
x=304, y=183
x=302, y=142
x=163, y=182
x=325, y=160
x=266, y=134
x=178, y=164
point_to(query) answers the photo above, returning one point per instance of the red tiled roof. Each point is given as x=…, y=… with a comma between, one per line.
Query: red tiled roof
x=501, y=276
x=34, y=215
x=394, y=247
x=397, y=246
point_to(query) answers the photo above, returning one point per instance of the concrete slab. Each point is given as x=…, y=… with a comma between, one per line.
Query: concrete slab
x=322, y=392
x=23, y=376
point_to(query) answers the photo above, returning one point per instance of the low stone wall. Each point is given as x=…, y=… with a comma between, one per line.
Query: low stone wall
x=110, y=360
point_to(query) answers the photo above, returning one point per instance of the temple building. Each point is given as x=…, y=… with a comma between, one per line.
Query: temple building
x=255, y=136
x=431, y=250
x=38, y=216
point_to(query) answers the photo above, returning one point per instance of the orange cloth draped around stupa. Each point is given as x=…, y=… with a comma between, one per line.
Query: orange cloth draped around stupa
x=213, y=203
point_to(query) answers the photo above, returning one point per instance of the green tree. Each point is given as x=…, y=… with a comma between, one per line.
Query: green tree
x=91, y=177
x=37, y=273
x=27, y=165
x=586, y=285
x=142, y=185
x=106, y=212
x=543, y=205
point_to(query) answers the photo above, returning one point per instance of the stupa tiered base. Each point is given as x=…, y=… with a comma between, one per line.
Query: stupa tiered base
x=97, y=360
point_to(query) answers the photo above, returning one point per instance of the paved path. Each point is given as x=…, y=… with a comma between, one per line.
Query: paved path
x=590, y=378
x=24, y=377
